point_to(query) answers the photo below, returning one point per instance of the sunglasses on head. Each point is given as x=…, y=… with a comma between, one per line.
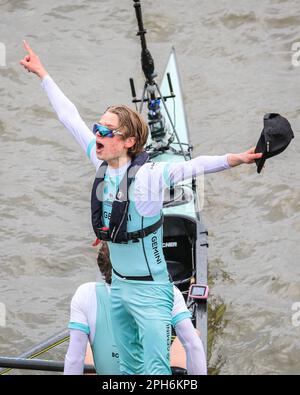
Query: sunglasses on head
x=104, y=131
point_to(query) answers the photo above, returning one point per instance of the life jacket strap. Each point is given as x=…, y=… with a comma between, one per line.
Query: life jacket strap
x=103, y=233
x=140, y=234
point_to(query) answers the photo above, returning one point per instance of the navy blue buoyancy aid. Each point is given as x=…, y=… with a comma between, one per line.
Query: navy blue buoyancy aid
x=117, y=231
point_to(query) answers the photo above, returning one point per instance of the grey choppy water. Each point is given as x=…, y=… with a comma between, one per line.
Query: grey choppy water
x=235, y=61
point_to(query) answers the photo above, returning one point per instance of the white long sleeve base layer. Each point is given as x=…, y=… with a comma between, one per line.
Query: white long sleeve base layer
x=152, y=178
x=193, y=346
x=74, y=360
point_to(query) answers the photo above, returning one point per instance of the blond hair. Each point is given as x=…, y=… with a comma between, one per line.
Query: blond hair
x=134, y=125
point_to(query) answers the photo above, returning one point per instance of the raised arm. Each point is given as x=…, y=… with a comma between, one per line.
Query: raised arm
x=209, y=164
x=66, y=111
x=153, y=178
x=32, y=63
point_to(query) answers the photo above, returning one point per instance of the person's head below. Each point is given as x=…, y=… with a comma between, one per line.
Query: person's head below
x=104, y=263
x=121, y=134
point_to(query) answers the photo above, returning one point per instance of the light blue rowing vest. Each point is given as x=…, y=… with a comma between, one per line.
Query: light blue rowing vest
x=137, y=259
x=105, y=353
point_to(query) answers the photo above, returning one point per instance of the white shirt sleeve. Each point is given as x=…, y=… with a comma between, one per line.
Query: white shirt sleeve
x=180, y=171
x=153, y=178
x=193, y=346
x=74, y=360
x=69, y=116
x=181, y=320
x=84, y=310
x=180, y=311
x=79, y=310
x=82, y=327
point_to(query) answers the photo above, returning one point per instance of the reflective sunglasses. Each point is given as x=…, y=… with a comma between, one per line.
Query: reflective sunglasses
x=104, y=131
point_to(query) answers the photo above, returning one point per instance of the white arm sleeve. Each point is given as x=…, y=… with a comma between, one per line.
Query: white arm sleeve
x=69, y=116
x=84, y=310
x=153, y=178
x=80, y=306
x=195, y=355
x=74, y=360
x=180, y=171
x=180, y=311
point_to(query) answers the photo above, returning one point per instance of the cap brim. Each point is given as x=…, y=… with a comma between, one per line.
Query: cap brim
x=260, y=163
x=260, y=147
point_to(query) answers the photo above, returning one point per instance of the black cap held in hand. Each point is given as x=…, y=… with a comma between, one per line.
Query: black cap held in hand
x=275, y=137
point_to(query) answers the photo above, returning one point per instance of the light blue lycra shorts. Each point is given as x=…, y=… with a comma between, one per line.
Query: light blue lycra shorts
x=141, y=319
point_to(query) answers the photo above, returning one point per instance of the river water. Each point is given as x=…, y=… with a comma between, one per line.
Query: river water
x=236, y=65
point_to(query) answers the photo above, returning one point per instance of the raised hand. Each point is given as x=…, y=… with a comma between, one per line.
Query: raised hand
x=31, y=62
x=248, y=157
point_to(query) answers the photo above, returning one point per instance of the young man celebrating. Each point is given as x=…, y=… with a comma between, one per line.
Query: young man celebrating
x=141, y=292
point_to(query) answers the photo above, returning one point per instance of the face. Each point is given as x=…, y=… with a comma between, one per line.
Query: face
x=113, y=149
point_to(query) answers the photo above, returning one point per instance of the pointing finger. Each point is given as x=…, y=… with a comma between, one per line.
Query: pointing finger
x=27, y=47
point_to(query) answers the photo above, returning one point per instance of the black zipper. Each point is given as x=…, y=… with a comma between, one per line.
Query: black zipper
x=122, y=220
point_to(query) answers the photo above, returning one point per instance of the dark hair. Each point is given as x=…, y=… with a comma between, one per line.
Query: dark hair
x=103, y=261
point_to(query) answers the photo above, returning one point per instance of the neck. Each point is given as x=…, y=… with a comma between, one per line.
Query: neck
x=119, y=162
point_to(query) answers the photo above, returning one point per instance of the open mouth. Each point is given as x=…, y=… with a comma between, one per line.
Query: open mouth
x=99, y=146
